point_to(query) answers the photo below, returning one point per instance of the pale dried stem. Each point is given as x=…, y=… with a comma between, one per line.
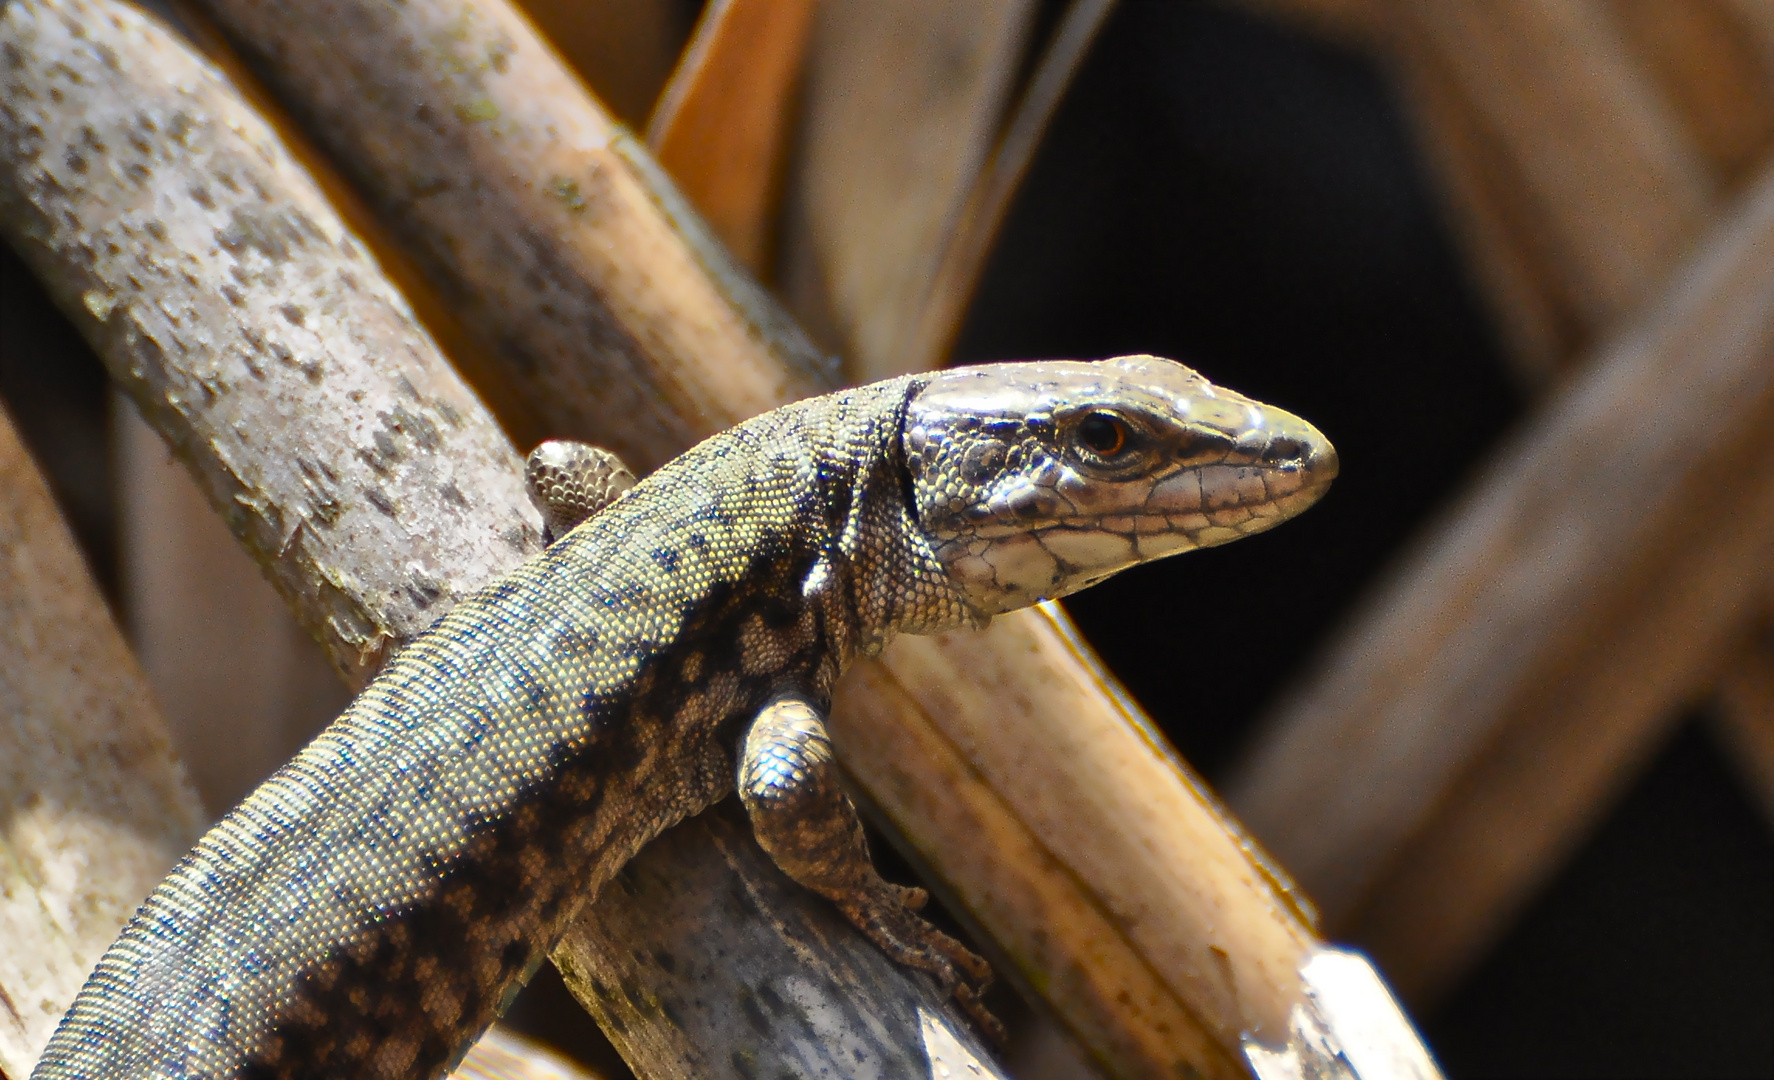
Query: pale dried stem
x=721, y=129
x=904, y=103
x=93, y=806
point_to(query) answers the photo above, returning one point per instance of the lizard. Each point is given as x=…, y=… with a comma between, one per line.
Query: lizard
x=375, y=905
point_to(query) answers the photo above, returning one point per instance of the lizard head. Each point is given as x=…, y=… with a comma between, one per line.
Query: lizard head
x=1034, y=480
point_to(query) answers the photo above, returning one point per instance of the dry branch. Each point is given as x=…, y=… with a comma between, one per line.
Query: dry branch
x=93, y=806
x=1713, y=75
x=1498, y=690
x=611, y=313
x=123, y=155
x=962, y=250
x=721, y=129
x=252, y=331
x=1615, y=178
x=903, y=104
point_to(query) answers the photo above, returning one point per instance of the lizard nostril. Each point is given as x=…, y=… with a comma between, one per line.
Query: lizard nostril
x=1283, y=451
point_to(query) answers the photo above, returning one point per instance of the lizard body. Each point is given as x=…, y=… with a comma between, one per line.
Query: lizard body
x=376, y=904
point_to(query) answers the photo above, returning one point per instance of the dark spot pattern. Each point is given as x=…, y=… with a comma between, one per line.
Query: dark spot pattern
x=399, y=879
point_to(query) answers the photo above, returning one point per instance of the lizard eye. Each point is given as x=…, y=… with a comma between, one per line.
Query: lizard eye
x=1103, y=434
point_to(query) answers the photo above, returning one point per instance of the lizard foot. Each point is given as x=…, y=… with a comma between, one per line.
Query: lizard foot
x=907, y=938
x=788, y=780
x=570, y=481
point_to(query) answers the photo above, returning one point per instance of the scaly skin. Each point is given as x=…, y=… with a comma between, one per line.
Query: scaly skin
x=375, y=905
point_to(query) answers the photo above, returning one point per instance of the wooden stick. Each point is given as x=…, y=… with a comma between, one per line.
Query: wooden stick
x=363, y=407
x=1710, y=68
x=602, y=297
x=1743, y=718
x=721, y=128
x=93, y=806
x=1154, y=935
x=1585, y=586
x=1497, y=220
x=963, y=251
x=1557, y=87
x=294, y=303
x=904, y=104
x=1757, y=20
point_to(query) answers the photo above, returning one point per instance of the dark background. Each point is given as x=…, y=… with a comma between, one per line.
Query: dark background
x=1248, y=200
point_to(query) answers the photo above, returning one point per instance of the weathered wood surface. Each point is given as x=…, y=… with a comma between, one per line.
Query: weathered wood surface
x=1708, y=64
x=1606, y=183
x=903, y=105
x=1480, y=712
x=394, y=413
x=721, y=129
x=253, y=332
x=241, y=687
x=612, y=314
x=963, y=249
x=529, y=143
x=93, y=806
x=1078, y=844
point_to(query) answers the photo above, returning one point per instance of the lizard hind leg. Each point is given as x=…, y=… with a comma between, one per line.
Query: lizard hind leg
x=788, y=780
x=570, y=481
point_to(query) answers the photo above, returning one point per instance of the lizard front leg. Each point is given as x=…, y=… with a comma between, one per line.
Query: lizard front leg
x=570, y=481
x=788, y=780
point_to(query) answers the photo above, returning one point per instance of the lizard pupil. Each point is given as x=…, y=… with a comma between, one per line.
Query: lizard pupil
x=1103, y=434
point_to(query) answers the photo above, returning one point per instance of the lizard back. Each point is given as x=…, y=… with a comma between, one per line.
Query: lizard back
x=375, y=905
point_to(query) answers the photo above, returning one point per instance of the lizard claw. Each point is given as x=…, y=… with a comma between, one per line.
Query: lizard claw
x=890, y=922
x=989, y=1026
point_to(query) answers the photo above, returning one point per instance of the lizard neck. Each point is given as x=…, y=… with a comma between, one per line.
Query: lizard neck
x=889, y=578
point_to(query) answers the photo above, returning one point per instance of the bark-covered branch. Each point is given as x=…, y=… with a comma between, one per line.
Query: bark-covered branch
x=93, y=807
